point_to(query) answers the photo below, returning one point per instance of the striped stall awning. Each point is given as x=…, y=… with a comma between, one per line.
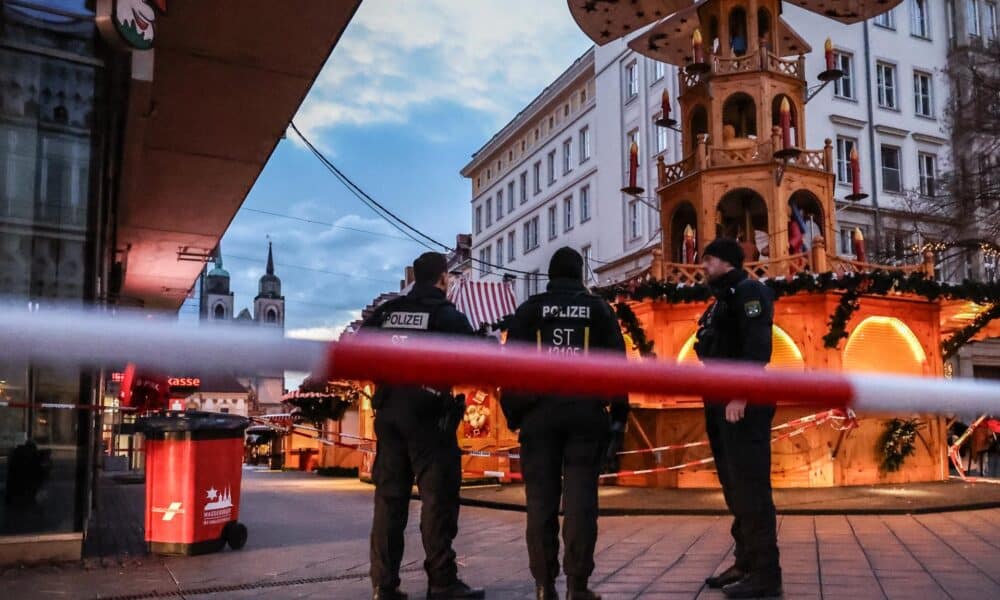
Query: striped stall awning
x=483, y=302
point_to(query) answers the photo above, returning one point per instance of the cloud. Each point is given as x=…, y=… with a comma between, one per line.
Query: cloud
x=396, y=56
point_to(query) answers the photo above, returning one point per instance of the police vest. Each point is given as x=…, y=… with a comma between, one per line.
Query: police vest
x=565, y=327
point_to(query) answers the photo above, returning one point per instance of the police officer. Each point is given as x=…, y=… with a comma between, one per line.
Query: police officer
x=415, y=427
x=564, y=439
x=737, y=326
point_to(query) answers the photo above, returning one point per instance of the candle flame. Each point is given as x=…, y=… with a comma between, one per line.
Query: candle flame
x=634, y=148
x=854, y=154
x=828, y=46
x=857, y=234
x=688, y=232
x=696, y=36
x=785, y=106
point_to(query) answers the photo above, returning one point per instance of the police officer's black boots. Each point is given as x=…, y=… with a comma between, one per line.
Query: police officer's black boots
x=755, y=585
x=576, y=589
x=458, y=589
x=546, y=591
x=387, y=593
x=730, y=575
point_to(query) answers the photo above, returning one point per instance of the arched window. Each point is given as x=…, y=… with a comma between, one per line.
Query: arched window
x=271, y=316
x=738, y=31
x=764, y=29
x=740, y=112
x=219, y=312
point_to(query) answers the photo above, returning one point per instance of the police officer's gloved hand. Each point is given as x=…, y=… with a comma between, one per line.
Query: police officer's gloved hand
x=615, y=445
x=452, y=414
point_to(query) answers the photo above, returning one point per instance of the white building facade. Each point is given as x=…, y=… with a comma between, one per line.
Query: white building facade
x=891, y=106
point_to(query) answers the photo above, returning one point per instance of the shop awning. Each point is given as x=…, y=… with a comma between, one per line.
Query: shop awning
x=225, y=83
x=484, y=302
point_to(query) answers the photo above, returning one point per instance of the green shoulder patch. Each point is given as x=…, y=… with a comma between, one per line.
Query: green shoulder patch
x=752, y=308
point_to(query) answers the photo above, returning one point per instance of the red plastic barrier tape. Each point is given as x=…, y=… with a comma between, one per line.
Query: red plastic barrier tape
x=63, y=406
x=447, y=362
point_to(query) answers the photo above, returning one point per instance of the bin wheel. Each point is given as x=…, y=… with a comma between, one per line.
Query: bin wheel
x=235, y=534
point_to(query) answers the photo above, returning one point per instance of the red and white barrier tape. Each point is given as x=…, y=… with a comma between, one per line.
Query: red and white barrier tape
x=64, y=406
x=955, y=449
x=95, y=338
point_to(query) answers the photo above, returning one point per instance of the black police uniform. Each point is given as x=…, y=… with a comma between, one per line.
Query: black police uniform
x=737, y=326
x=413, y=440
x=563, y=438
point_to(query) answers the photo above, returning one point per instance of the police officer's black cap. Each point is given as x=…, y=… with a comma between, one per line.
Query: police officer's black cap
x=566, y=263
x=726, y=249
x=429, y=267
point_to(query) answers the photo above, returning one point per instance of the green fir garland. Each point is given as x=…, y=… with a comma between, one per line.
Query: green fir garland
x=961, y=337
x=896, y=443
x=626, y=316
x=853, y=285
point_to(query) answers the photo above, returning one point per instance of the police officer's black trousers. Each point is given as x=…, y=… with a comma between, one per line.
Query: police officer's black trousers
x=742, y=453
x=411, y=447
x=562, y=448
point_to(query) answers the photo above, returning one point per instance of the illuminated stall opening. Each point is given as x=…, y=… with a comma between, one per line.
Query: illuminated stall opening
x=785, y=354
x=885, y=345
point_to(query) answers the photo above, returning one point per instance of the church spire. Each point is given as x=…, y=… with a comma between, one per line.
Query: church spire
x=270, y=260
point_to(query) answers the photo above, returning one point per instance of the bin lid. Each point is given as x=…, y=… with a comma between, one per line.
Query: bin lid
x=192, y=421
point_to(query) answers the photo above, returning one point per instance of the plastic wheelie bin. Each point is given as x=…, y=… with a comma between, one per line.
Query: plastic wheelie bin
x=194, y=466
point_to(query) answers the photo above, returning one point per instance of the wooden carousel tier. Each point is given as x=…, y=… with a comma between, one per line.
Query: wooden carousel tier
x=606, y=20
x=669, y=41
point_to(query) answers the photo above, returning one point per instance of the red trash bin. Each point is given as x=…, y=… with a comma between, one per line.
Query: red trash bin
x=194, y=466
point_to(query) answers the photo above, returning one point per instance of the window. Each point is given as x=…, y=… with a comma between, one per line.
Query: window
x=659, y=70
x=479, y=219
x=631, y=81
x=524, y=145
x=567, y=213
x=530, y=235
x=919, y=24
x=499, y=204
x=551, y=164
x=891, y=179
x=536, y=134
x=972, y=17
x=949, y=11
x=524, y=187
x=553, y=221
x=844, y=87
x=484, y=260
x=922, y=97
x=489, y=211
x=588, y=272
x=567, y=146
x=585, y=204
x=886, y=20
x=537, y=173
x=844, y=147
x=584, y=144
x=927, y=164
x=500, y=252
x=531, y=283
x=220, y=311
x=510, y=197
x=633, y=219
x=583, y=96
x=661, y=138
x=886, y=81
x=566, y=110
x=510, y=246
x=991, y=21
x=489, y=174
x=510, y=156
x=847, y=239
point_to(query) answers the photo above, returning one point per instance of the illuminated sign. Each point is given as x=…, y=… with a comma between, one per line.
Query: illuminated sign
x=184, y=382
x=129, y=24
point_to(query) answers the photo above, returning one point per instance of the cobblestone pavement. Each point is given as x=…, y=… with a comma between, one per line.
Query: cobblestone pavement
x=309, y=539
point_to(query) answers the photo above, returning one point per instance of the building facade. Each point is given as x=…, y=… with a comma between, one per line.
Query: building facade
x=125, y=151
x=890, y=105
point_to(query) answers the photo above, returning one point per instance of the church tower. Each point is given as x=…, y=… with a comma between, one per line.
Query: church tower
x=269, y=311
x=269, y=305
x=216, y=303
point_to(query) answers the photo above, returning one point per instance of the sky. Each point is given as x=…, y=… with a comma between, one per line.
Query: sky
x=412, y=89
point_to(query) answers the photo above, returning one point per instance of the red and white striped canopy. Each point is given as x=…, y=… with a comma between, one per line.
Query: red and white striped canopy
x=483, y=302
